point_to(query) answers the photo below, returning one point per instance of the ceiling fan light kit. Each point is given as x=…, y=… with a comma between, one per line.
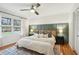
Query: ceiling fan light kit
x=33, y=8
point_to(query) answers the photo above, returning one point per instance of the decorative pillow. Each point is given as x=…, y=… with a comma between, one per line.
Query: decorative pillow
x=40, y=36
x=45, y=36
x=49, y=35
x=36, y=35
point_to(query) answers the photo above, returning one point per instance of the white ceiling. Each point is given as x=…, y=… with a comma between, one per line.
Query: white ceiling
x=44, y=10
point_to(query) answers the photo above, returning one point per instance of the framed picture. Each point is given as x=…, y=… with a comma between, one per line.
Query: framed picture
x=6, y=29
x=5, y=21
x=17, y=22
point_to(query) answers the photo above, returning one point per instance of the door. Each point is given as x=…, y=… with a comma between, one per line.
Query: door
x=76, y=31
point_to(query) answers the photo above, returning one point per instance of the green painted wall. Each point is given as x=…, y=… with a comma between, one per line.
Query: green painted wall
x=52, y=27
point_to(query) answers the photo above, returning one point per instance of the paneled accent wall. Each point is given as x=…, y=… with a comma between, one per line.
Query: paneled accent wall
x=49, y=27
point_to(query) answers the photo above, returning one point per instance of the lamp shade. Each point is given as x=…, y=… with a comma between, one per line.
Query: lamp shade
x=60, y=30
x=31, y=30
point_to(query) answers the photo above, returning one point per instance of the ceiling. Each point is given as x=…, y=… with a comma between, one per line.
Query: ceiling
x=44, y=10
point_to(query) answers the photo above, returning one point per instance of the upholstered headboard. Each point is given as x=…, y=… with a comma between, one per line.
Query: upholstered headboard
x=52, y=32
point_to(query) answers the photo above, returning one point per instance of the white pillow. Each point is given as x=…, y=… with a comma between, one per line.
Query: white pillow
x=36, y=35
x=45, y=36
x=40, y=36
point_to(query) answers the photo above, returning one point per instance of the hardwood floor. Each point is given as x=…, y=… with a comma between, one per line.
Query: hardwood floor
x=7, y=46
x=64, y=49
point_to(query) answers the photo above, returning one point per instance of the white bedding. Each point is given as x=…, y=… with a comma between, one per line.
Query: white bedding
x=41, y=45
x=49, y=40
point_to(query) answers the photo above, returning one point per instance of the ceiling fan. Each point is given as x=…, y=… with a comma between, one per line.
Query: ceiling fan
x=32, y=9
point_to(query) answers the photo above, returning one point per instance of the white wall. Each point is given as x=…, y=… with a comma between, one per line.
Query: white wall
x=71, y=39
x=59, y=18
x=25, y=27
x=13, y=36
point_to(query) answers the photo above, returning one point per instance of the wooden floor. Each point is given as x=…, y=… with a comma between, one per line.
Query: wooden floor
x=7, y=46
x=64, y=49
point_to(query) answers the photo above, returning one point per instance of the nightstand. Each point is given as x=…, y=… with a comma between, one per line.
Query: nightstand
x=59, y=39
x=31, y=34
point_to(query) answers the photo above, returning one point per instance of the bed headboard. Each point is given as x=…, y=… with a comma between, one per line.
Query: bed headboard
x=51, y=32
x=42, y=28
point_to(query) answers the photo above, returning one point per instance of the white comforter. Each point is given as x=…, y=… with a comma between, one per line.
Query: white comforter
x=41, y=45
x=49, y=40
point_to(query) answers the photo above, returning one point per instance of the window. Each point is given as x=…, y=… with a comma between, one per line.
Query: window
x=17, y=25
x=6, y=29
x=7, y=25
x=17, y=28
x=6, y=21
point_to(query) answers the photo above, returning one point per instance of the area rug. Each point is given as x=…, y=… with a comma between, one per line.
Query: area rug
x=22, y=51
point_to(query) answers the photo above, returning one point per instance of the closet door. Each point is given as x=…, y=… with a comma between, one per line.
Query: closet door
x=76, y=31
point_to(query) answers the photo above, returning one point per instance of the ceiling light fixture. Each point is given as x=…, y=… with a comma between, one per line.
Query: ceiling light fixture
x=32, y=10
x=34, y=7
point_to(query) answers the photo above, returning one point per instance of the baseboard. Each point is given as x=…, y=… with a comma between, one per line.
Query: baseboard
x=75, y=52
x=6, y=46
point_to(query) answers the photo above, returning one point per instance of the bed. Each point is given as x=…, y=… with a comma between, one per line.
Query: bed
x=43, y=45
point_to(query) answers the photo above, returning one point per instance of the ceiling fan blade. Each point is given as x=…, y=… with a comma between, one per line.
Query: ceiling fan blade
x=24, y=9
x=36, y=13
x=35, y=6
x=38, y=4
x=32, y=7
